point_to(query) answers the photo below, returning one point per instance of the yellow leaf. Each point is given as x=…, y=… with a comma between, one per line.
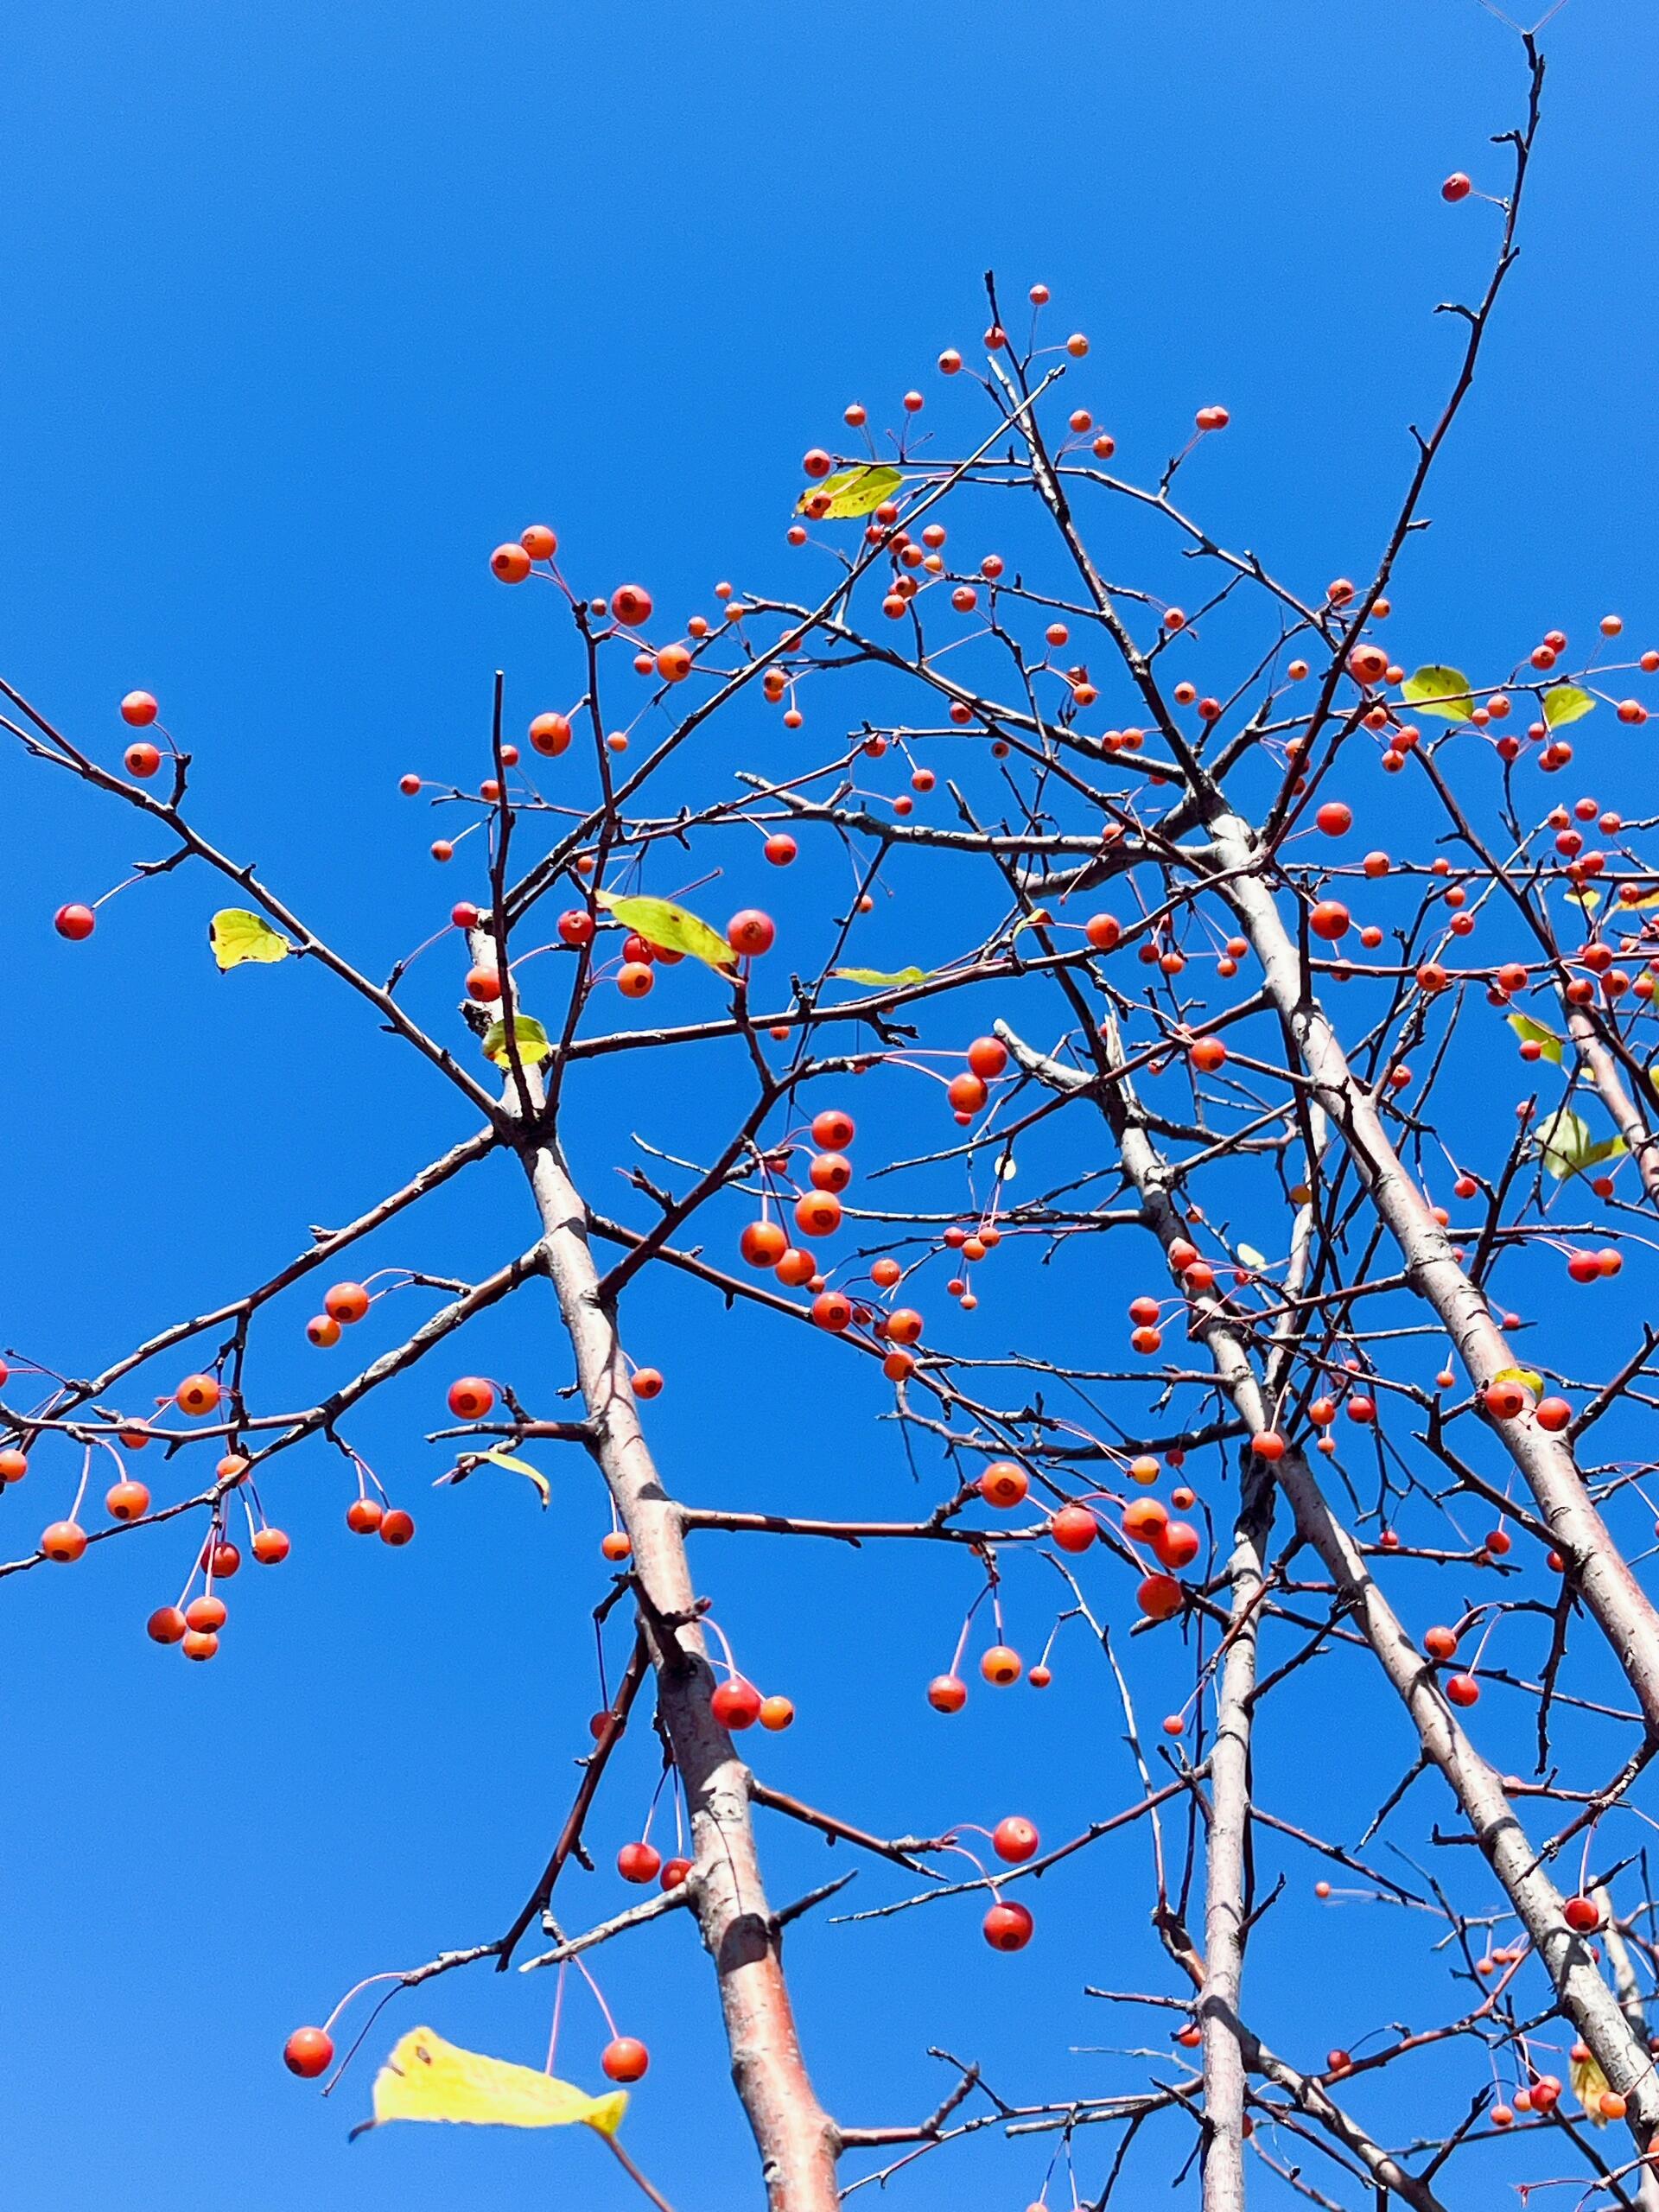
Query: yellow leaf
x=1527, y=1377
x=426, y=2078
x=521, y=1467
x=1589, y=2086
x=236, y=935
x=877, y=977
x=660, y=922
x=857, y=491
x=534, y=1043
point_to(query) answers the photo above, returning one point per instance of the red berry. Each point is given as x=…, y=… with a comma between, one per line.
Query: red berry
x=396, y=1527
x=626, y=2059
x=1014, y=1839
x=750, y=933
x=735, y=1704
x=1007, y=1926
x=471, y=1397
x=139, y=708
x=638, y=1862
x=308, y=2052
x=76, y=923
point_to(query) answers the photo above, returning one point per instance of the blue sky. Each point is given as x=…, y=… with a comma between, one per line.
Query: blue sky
x=306, y=308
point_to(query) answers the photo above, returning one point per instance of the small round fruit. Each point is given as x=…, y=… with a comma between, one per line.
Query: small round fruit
x=65, y=1541
x=1000, y=1666
x=674, y=1872
x=126, y=1501
x=763, y=1243
x=200, y=1643
x=735, y=1704
x=539, y=542
x=143, y=759
x=1160, y=1596
x=74, y=922
x=1004, y=1484
x=1073, y=1529
x=364, y=1515
x=347, y=1302
x=549, y=735
x=947, y=1692
x=14, y=1465
x=205, y=1615
x=616, y=1544
x=1582, y=1916
x=308, y=2052
x=509, y=564
x=166, y=1624
x=396, y=1527
x=1015, y=1839
x=471, y=1397
x=638, y=1862
x=270, y=1545
x=1462, y=1690
x=139, y=708
x=776, y=1712
x=750, y=933
x=324, y=1330
x=832, y=1130
x=631, y=604
x=1007, y=1926
x=624, y=2059
x=647, y=1382
x=197, y=1394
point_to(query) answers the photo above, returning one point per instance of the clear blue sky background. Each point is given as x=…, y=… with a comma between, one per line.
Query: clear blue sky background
x=307, y=308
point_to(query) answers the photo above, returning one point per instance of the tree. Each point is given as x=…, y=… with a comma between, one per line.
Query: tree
x=1100, y=811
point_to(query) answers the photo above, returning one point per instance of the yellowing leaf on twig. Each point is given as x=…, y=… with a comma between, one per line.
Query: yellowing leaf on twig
x=520, y=1467
x=660, y=922
x=1567, y=1146
x=1527, y=1377
x=851, y=491
x=1437, y=689
x=236, y=935
x=879, y=978
x=534, y=1043
x=1564, y=703
x=426, y=2078
x=1589, y=2085
x=1539, y=1034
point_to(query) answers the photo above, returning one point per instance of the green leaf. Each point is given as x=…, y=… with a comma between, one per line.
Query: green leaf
x=879, y=978
x=498, y=1458
x=1436, y=690
x=236, y=935
x=534, y=1043
x=660, y=922
x=1567, y=1147
x=1564, y=703
x=1539, y=1033
x=852, y=491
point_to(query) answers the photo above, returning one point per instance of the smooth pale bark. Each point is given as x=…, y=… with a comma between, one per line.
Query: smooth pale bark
x=1605, y=1073
x=797, y=2140
x=1594, y=2010
x=1615, y=1599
